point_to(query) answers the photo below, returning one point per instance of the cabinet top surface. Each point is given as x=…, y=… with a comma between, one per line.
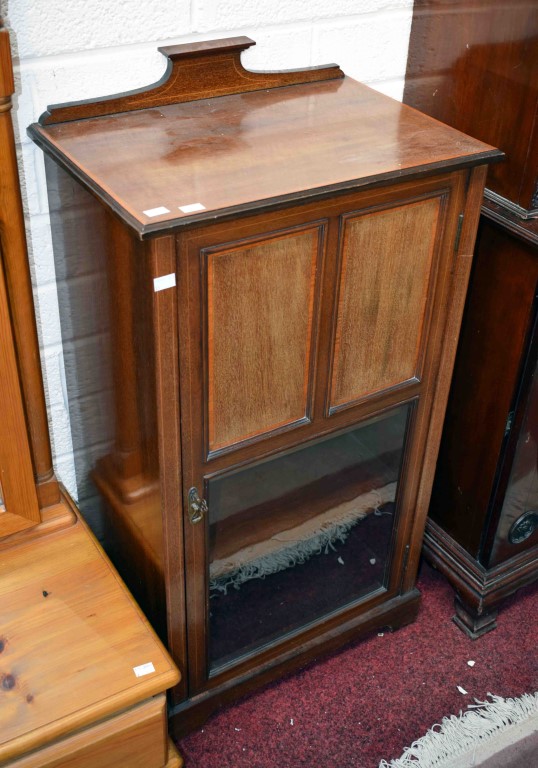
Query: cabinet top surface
x=186, y=162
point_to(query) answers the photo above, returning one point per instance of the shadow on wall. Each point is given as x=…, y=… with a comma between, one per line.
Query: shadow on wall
x=84, y=307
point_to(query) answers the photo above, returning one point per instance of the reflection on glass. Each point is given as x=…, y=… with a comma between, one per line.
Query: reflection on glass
x=2, y=505
x=298, y=536
x=519, y=515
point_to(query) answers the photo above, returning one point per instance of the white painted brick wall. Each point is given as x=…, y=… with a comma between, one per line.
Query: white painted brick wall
x=77, y=49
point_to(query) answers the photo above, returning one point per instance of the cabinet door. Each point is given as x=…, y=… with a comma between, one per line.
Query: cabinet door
x=309, y=346
x=18, y=499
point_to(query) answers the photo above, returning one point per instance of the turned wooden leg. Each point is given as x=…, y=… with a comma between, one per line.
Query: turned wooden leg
x=475, y=620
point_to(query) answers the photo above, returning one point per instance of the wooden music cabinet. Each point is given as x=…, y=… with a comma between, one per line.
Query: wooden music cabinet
x=476, y=68
x=282, y=261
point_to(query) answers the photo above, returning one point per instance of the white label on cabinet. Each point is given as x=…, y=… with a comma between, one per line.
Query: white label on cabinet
x=192, y=208
x=156, y=211
x=144, y=669
x=166, y=281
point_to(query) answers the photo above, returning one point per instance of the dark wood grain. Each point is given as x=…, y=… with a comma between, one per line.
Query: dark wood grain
x=525, y=230
x=195, y=71
x=479, y=591
x=493, y=341
x=456, y=294
x=194, y=389
x=475, y=66
x=162, y=256
x=253, y=228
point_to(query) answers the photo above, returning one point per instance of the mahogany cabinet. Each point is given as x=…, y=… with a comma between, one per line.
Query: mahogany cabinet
x=476, y=68
x=281, y=262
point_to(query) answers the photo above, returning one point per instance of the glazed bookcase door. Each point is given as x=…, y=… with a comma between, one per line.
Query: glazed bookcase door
x=301, y=535
x=318, y=335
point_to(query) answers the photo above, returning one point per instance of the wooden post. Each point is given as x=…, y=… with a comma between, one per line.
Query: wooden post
x=17, y=273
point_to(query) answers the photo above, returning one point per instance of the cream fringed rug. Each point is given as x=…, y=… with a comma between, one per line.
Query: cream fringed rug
x=296, y=545
x=475, y=737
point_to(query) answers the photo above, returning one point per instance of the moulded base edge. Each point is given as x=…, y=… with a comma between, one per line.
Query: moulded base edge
x=392, y=614
x=479, y=590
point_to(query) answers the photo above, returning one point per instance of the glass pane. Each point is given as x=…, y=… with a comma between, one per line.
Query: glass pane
x=2, y=505
x=519, y=515
x=295, y=537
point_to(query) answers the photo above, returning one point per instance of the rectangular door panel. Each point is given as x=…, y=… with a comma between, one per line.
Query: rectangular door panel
x=385, y=281
x=260, y=327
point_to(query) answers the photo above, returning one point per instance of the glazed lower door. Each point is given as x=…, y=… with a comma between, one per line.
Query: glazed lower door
x=295, y=539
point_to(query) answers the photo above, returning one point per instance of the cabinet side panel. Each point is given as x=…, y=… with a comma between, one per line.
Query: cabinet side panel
x=260, y=307
x=80, y=244
x=105, y=290
x=380, y=320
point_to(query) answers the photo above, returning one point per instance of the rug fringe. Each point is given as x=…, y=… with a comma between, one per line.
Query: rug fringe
x=297, y=545
x=457, y=735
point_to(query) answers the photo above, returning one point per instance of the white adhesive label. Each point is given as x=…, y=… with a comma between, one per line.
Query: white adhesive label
x=144, y=669
x=166, y=281
x=156, y=211
x=192, y=208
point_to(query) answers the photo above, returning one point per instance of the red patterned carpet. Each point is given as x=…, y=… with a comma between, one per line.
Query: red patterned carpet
x=375, y=697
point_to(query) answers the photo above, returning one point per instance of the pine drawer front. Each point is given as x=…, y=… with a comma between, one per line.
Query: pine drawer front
x=134, y=738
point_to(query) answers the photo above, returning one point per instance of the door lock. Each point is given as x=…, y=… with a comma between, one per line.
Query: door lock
x=197, y=506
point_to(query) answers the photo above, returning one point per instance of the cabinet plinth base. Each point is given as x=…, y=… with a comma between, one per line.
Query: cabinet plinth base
x=391, y=615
